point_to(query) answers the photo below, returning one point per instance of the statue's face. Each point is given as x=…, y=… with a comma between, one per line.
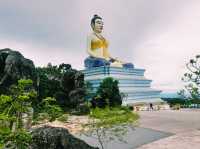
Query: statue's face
x=98, y=25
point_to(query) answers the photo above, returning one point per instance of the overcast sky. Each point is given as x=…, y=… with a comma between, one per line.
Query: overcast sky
x=157, y=35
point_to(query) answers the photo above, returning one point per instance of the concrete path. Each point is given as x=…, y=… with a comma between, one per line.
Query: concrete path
x=134, y=138
x=185, y=124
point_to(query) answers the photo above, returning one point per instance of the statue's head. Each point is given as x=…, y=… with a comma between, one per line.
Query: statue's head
x=97, y=24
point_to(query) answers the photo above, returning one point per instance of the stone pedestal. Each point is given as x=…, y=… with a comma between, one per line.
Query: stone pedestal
x=136, y=88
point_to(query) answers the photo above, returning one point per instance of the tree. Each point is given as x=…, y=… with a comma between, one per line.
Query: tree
x=192, y=78
x=63, y=83
x=48, y=82
x=108, y=93
x=109, y=124
x=13, y=108
x=49, y=106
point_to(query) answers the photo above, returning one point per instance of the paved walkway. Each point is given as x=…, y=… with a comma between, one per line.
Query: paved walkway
x=185, y=124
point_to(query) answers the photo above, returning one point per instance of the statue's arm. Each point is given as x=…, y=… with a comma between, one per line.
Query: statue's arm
x=89, y=50
x=107, y=54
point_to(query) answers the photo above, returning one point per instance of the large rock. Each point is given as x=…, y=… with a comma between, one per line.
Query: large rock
x=73, y=85
x=72, y=79
x=48, y=137
x=13, y=66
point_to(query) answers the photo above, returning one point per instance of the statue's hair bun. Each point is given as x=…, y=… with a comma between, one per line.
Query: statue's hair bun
x=96, y=16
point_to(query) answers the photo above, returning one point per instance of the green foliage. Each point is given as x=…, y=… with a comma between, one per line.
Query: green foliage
x=25, y=84
x=113, y=116
x=12, y=108
x=175, y=101
x=41, y=118
x=50, y=79
x=192, y=78
x=49, y=106
x=63, y=118
x=110, y=123
x=108, y=94
x=82, y=109
x=181, y=103
x=48, y=82
x=194, y=101
x=18, y=102
x=19, y=139
x=63, y=83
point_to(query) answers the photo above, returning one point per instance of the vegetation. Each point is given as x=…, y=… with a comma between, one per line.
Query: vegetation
x=192, y=79
x=107, y=124
x=183, y=103
x=48, y=110
x=108, y=94
x=108, y=119
x=50, y=94
x=13, y=108
x=63, y=83
x=63, y=118
x=190, y=94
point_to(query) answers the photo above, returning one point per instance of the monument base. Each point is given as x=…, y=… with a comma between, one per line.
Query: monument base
x=132, y=83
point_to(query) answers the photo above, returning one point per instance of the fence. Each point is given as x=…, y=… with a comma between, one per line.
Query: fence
x=191, y=106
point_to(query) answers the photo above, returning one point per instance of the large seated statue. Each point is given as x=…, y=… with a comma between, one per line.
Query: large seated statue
x=97, y=48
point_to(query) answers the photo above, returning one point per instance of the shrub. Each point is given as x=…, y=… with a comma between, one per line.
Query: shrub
x=107, y=94
x=191, y=78
x=49, y=106
x=42, y=118
x=12, y=108
x=19, y=139
x=63, y=83
x=63, y=118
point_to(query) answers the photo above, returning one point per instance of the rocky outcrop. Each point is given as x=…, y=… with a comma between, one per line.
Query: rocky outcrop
x=48, y=137
x=73, y=86
x=13, y=66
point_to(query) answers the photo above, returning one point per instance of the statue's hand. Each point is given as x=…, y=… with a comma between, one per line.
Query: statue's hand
x=116, y=59
x=112, y=60
x=107, y=58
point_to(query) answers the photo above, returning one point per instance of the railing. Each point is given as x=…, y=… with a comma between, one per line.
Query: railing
x=191, y=106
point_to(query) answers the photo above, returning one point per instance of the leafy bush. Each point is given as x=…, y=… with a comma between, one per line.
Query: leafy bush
x=191, y=78
x=19, y=139
x=12, y=108
x=113, y=116
x=41, y=118
x=82, y=109
x=63, y=118
x=182, y=102
x=175, y=101
x=18, y=102
x=108, y=94
x=49, y=106
x=63, y=83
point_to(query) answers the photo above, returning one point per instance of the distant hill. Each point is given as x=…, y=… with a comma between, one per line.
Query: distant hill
x=169, y=95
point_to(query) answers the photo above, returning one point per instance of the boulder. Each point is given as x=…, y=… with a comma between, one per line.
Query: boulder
x=73, y=85
x=48, y=137
x=14, y=66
